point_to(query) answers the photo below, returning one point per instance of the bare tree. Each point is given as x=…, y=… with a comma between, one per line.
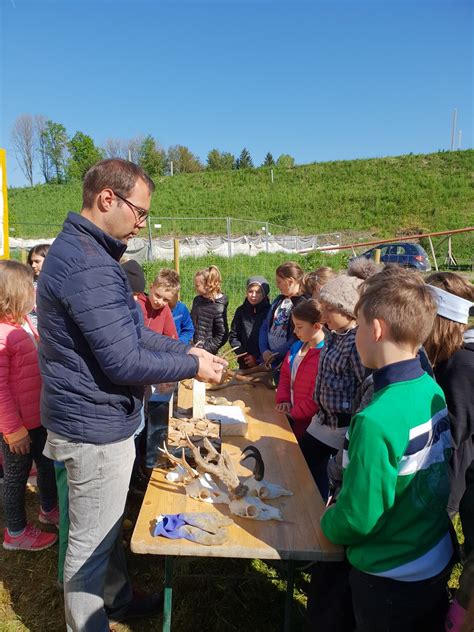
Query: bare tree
x=134, y=146
x=24, y=141
x=45, y=163
x=116, y=148
x=127, y=149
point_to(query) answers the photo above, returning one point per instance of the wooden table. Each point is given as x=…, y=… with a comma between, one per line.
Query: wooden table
x=298, y=538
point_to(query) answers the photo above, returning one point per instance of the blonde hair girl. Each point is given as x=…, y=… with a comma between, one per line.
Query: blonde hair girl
x=22, y=437
x=209, y=310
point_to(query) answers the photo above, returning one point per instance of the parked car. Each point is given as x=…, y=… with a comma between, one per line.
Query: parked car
x=408, y=255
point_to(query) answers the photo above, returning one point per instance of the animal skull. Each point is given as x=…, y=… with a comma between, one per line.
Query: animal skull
x=252, y=507
x=206, y=490
x=265, y=490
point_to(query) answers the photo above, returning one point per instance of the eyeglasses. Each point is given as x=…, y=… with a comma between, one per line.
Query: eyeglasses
x=140, y=213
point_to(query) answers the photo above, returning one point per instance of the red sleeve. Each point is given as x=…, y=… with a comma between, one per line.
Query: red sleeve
x=17, y=345
x=169, y=328
x=284, y=385
x=305, y=406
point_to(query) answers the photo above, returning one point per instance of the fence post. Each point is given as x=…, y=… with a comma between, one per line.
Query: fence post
x=266, y=233
x=229, y=236
x=377, y=253
x=176, y=254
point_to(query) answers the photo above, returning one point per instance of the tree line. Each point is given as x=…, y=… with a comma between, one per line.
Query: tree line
x=41, y=143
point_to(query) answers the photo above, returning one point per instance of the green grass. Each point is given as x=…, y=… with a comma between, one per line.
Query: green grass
x=236, y=270
x=380, y=196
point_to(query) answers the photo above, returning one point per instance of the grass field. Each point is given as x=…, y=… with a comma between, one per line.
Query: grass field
x=381, y=196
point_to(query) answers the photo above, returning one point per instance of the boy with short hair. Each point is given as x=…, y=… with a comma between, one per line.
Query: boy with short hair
x=391, y=511
x=155, y=305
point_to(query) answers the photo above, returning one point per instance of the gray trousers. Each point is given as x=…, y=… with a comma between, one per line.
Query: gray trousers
x=95, y=570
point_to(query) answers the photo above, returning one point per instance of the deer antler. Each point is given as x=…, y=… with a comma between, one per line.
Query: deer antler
x=222, y=468
x=180, y=461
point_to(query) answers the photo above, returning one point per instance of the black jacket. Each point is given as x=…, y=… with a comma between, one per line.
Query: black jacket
x=456, y=378
x=210, y=322
x=245, y=327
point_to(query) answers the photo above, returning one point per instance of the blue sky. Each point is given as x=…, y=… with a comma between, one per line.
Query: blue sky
x=320, y=79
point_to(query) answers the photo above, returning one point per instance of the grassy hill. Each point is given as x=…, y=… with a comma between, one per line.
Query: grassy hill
x=380, y=196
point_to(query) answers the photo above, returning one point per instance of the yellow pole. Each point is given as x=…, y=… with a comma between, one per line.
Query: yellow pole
x=377, y=253
x=4, y=244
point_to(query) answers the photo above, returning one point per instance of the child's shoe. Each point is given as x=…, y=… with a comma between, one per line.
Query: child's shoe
x=32, y=539
x=49, y=517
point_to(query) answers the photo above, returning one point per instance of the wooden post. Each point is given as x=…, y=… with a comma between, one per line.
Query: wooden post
x=24, y=255
x=377, y=253
x=176, y=254
x=435, y=263
x=199, y=399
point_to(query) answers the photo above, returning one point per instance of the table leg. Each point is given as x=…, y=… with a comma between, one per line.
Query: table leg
x=290, y=583
x=168, y=593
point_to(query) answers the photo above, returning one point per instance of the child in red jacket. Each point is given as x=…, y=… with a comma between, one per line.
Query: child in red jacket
x=300, y=367
x=155, y=307
x=22, y=437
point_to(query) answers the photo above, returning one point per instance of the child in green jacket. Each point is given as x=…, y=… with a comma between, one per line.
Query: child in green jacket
x=391, y=511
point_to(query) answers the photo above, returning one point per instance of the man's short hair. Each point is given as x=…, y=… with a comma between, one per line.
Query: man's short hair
x=116, y=174
x=168, y=279
x=402, y=300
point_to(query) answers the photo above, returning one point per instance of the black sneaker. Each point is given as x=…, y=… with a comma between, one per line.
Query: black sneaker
x=142, y=606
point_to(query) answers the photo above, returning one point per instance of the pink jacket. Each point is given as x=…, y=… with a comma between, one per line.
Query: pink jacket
x=20, y=383
x=303, y=389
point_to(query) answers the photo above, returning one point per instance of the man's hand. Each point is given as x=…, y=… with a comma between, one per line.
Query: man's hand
x=211, y=367
x=283, y=407
x=21, y=447
x=201, y=353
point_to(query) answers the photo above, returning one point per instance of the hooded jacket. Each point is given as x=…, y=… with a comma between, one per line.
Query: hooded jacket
x=264, y=329
x=210, y=322
x=95, y=356
x=245, y=327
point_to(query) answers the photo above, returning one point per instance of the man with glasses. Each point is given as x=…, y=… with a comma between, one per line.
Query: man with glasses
x=95, y=359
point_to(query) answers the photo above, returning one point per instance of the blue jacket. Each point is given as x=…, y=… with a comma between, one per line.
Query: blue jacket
x=95, y=356
x=183, y=321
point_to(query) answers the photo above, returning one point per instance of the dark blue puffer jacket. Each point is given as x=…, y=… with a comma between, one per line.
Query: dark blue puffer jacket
x=95, y=357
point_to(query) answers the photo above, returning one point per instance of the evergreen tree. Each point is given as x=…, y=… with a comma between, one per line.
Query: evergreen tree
x=244, y=161
x=268, y=162
x=151, y=157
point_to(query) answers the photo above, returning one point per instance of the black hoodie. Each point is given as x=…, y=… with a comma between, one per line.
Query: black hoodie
x=245, y=328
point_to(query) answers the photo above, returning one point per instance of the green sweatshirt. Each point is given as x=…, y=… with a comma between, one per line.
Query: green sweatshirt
x=392, y=506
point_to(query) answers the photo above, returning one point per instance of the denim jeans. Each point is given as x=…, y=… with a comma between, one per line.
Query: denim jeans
x=98, y=478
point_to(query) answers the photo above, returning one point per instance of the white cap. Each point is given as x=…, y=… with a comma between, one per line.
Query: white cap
x=451, y=306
